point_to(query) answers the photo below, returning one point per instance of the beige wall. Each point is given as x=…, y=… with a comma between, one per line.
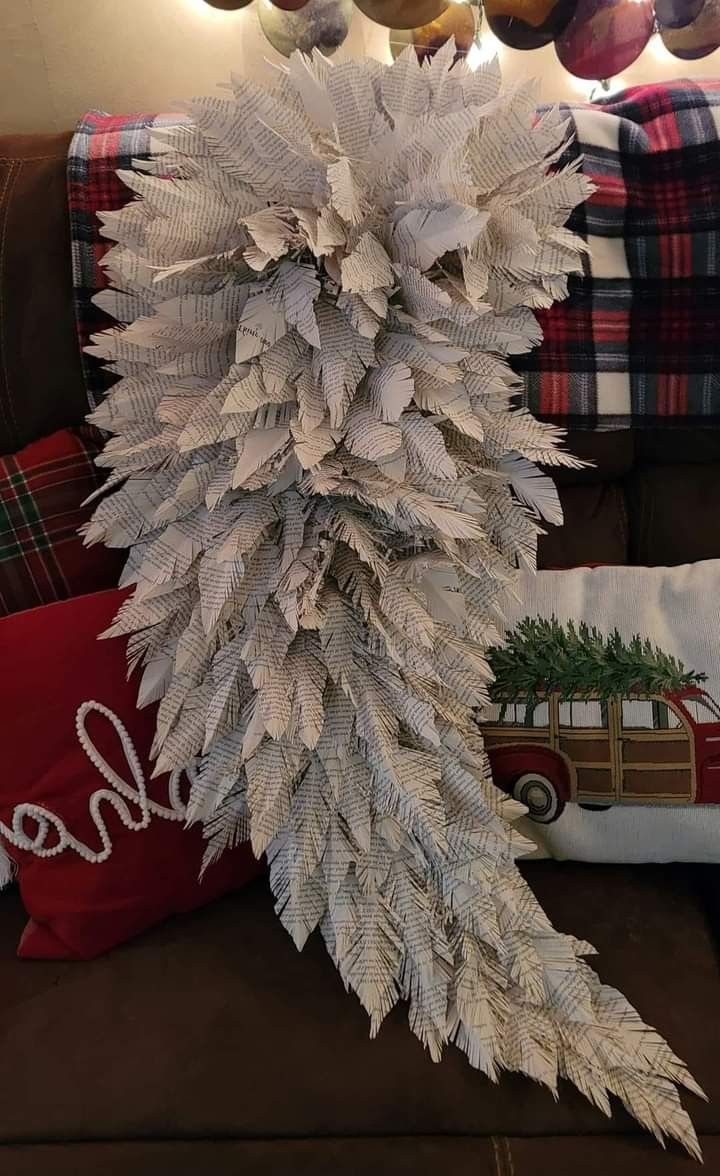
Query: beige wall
x=60, y=57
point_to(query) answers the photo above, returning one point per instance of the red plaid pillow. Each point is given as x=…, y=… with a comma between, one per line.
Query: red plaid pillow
x=42, y=557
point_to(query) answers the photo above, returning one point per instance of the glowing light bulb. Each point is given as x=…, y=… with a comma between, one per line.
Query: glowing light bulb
x=657, y=49
x=584, y=86
x=593, y=88
x=483, y=50
x=610, y=87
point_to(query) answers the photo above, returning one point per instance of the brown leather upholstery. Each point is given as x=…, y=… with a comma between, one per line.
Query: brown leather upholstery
x=41, y=385
x=210, y=1045
x=577, y=1155
x=214, y=1027
x=650, y=498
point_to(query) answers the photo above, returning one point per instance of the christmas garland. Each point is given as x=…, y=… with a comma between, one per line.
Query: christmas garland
x=326, y=487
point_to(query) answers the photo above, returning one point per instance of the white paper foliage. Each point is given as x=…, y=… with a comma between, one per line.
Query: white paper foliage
x=327, y=488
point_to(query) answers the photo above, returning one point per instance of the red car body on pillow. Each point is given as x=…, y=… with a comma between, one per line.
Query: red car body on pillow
x=626, y=749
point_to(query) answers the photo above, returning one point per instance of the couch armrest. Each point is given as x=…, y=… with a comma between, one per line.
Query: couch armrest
x=41, y=382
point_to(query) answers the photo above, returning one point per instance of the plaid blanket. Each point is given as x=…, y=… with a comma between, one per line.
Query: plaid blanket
x=638, y=340
x=101, y=145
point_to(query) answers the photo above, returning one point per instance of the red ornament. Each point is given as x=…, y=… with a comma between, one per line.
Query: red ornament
x=604, y=37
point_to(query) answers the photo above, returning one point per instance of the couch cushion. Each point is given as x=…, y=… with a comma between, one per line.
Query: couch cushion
x=647, y=497
x=673, y=512
x=595, y=529
x=670, y=446
x=214, y=1026
x=608, y=456
x=41, y=383
x=414, y=1156
x=401, y=1155
x=590, y=1156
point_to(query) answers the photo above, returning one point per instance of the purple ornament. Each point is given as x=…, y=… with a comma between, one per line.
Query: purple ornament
x=604, y=37
x=675, y=14
x=697, y=38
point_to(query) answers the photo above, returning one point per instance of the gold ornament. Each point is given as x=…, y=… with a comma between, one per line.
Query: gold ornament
x=402, y=14
x=458, y=21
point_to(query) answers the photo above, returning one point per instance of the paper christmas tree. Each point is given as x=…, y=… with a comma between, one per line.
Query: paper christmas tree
x=327, y=486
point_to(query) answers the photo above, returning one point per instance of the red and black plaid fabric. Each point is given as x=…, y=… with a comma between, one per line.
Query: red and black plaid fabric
x=638, y=341
x=42, y=488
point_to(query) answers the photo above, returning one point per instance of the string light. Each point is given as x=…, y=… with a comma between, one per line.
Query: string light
x=660, y=52
x=486, y=47
x=593, y=88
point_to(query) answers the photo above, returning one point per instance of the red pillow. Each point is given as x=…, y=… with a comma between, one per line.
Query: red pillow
x=42, y=489
x=52, y=664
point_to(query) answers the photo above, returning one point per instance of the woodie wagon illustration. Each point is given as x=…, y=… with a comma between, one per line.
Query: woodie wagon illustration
x=581, y=717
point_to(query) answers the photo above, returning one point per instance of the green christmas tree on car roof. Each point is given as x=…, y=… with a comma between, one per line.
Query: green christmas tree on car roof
x=541, y=656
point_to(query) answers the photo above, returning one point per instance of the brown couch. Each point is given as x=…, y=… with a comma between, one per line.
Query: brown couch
x=210, y=1045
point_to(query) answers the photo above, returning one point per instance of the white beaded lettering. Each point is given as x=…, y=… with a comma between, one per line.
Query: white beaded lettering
x=117, y=795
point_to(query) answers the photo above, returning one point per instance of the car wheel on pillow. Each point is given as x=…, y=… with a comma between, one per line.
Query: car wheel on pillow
x=540, y=797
